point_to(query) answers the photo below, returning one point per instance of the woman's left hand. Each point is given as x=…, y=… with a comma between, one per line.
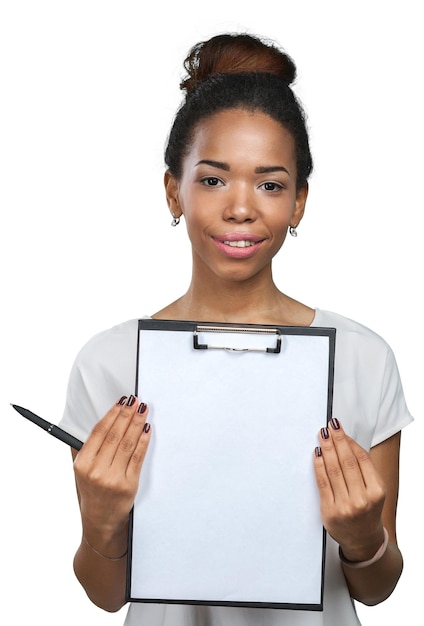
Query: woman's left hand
x=352, y=493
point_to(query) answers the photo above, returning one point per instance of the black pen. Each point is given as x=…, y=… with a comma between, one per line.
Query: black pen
x=57, y=432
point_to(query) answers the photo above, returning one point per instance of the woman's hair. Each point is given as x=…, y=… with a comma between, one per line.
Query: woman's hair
x=238, y=71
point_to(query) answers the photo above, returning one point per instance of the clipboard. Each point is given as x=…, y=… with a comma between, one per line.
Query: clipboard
x=227, y=510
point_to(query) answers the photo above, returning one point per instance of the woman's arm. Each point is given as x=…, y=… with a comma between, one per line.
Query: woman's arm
x=107, y=471
x=358, y=493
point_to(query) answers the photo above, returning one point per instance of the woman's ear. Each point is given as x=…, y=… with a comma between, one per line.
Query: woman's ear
x=299, y=209
x=171, y=190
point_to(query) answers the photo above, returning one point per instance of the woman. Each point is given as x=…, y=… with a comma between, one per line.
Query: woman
x=238, y=163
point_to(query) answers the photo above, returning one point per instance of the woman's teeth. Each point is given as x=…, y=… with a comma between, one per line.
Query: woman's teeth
x=240, y=244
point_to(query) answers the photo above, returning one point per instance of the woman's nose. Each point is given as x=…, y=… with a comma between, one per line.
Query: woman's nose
x=241, y=205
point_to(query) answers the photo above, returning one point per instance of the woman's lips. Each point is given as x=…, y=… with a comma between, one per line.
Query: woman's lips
x=238, y=245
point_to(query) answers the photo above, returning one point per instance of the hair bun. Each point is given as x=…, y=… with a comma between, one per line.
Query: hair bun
x=235, y=53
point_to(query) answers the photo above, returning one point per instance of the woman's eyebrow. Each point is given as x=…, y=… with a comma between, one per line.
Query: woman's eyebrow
x=219, y=164
x=271, y=168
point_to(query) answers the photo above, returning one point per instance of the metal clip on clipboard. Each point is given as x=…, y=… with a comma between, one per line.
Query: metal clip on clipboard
x=238, y=330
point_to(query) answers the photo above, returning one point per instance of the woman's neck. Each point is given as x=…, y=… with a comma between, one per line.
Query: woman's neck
x=244, y=302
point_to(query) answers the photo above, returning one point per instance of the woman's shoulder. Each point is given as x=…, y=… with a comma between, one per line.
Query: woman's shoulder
x=326, y=318
x=110, y=342
x=350, y=330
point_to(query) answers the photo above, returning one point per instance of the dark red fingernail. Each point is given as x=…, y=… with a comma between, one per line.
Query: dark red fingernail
x=146, y=427
x=318, y=451
x=324, y=433
x=131, y=400
x=335, y=423
x=122, y=400
x=142, y=408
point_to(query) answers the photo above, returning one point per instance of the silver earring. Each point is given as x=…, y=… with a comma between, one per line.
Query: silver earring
x=175, y=220
x=293, y=231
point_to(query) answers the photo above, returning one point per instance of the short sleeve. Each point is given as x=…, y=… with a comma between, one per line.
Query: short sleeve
x=103, y=371
x=393, y=414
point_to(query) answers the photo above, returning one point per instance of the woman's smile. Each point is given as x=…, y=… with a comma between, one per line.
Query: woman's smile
x=238, y=245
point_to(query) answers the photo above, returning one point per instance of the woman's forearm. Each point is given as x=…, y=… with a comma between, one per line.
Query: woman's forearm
x=373, y=584
x=104, y=579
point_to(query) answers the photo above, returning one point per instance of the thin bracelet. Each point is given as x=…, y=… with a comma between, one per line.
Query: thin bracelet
x=377, y=556
x=108, y=558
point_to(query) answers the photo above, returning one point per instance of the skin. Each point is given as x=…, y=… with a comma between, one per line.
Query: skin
x=238, y=180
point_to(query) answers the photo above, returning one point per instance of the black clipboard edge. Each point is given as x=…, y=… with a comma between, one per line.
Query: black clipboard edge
x=129, y=557
x=253, y=605
x=187, y=325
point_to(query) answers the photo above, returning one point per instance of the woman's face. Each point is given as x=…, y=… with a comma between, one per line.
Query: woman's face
x=237, y=193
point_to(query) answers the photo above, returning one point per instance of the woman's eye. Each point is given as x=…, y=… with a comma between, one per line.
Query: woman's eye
x=211, y=181
x=271, y=186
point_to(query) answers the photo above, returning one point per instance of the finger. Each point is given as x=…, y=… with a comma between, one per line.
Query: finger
x=332, y=464
x=347, y=452
x=136, y=460
x=323, y=483
x=128, y=450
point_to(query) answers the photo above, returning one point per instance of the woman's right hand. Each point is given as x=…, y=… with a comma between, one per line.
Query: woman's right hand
x=107, y=471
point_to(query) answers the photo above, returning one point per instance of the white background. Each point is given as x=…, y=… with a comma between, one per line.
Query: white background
x=88, y=92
